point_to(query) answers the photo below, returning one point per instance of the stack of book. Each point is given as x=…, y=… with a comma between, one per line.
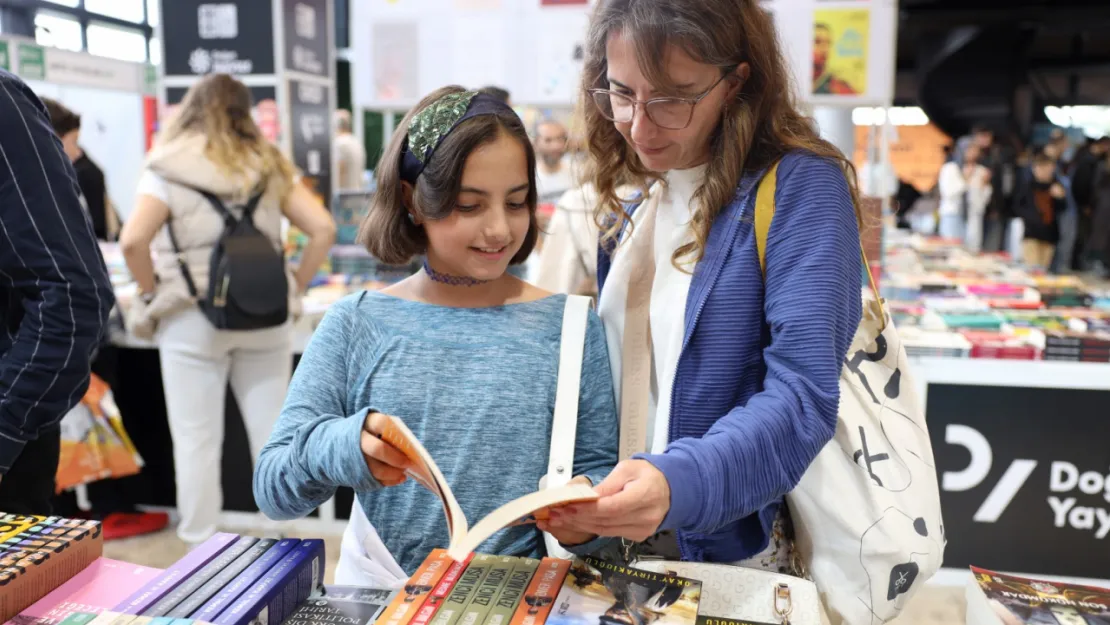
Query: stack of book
x=38, y=554
x=496, y=590
x=227, y=580
x=1077, y=346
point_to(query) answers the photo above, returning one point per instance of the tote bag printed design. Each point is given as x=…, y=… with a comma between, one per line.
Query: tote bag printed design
x=867, y=513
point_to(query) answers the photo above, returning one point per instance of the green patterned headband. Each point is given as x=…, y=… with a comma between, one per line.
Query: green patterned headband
x=429, y=127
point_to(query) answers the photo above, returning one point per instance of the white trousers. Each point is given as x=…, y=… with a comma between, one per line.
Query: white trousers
x=198, y=361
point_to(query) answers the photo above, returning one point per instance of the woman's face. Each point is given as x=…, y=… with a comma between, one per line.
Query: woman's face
x=661, y=149
x=491, y=216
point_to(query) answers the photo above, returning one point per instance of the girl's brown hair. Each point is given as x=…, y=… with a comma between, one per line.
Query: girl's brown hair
x=387, y=231
x=219, y=108
x=759, y=127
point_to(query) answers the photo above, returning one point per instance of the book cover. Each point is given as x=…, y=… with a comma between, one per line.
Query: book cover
x=452, y=608
x=173, y=577
x=479, y=606
x=194, y=581
x=78, y=618
x=536, y=603
x=276, y=595
x=99, y=587
x=439, y=594
x=712, y=620
x=34, y=572
x=599, y=592
x=407, y=602
x=1007, y=599
x=341, y=605
x=242, y=582
x=197, y=600
x=509, y=598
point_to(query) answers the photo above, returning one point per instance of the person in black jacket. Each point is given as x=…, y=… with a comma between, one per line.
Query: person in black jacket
x=1040, y=202
x=55, y=297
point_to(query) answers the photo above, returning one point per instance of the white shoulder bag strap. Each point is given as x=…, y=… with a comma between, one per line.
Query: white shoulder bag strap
x=564, y=427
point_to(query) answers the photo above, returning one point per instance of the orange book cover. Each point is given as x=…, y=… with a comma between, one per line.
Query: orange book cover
x=411, y=598
x=443, y=588
x=540, y=596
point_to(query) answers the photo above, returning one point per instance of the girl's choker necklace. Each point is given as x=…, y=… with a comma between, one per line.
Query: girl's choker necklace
x=452, y=280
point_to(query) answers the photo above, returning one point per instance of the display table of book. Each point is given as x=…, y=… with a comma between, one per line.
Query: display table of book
x=1013, y=371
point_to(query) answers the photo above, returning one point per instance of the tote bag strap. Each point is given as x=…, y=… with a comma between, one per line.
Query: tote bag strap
x=572, y=345
x=765, y=212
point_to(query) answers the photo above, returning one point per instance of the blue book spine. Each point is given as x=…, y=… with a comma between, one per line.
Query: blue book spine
x=177, y=573
x=210, y=589
x=244, y=581
x=278, y=594
x=201, y=577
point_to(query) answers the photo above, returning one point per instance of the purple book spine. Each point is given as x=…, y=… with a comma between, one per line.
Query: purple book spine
x=278, y=594
x=176, y=574
x=244, y=581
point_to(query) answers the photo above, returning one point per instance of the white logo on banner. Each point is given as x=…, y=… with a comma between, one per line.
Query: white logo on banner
x=1065, y=477
x=203, y=61
x=200, y=61
x=305, y=21
x=218, y=21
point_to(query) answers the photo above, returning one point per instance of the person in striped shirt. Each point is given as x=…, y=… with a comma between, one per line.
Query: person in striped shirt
x=55, y=297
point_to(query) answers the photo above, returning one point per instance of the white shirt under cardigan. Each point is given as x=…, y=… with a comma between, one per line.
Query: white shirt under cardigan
x=668, y=299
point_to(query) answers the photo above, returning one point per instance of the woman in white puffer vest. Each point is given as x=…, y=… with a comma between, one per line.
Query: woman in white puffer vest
x=212, y=144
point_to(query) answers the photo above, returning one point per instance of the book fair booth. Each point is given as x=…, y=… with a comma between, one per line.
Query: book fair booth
x=1013, y=366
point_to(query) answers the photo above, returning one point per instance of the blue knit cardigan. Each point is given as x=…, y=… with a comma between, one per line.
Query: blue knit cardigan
x=756, y=389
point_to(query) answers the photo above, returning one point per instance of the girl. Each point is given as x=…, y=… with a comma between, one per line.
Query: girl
x=464, y=353
x=693, y=98
x=213, y=144
x=965, y=193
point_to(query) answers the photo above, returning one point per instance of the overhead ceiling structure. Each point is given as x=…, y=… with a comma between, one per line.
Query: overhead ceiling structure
x=1001, y=61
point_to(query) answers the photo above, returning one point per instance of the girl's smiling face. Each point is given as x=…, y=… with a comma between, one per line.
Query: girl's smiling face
x=491, y=218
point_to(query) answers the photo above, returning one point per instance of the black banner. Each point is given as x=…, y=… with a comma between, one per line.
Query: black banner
x=1025, y=478
x=218, y=36
x=307, y=36
x=310, y=115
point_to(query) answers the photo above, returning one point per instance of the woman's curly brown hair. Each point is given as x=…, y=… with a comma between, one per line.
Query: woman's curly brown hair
x=758, y=128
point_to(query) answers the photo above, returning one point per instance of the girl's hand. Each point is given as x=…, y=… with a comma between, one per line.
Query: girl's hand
x=635, y=499
x=386, y=463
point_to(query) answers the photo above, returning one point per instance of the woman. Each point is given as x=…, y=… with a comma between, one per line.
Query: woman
x=463, y=352
x=212, y=144
x=965, y=192
x=693, y=99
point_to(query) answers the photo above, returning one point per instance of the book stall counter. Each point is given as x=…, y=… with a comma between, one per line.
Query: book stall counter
x=1013, y=372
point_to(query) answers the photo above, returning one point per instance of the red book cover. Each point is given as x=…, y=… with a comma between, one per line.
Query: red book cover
x=434, y=600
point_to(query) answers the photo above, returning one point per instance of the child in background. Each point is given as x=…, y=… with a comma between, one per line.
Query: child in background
x=464, y=353
x=1040, y=203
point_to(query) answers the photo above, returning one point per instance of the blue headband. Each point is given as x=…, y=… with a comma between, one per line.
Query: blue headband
x=429, y=127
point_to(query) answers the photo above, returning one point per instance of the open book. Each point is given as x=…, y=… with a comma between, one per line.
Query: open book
x=464, y=539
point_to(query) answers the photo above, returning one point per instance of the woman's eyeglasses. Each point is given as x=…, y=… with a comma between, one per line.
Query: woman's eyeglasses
x=669, y=113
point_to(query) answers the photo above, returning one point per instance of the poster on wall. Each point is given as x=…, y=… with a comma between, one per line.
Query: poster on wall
x=307, y=37
x=478, y=52
x=225, y=37
x=840, y=51
x=310, y=119
x=396, y=61
x=1022, y=492
x=561, y=53
x=265, y=110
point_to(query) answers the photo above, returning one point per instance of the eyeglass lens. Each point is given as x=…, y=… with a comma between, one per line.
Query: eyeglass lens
x=666, y=113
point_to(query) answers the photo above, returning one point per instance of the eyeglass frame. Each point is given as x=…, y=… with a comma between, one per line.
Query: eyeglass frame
x=693, y=102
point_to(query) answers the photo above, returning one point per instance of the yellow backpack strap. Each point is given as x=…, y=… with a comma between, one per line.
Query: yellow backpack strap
x=764, y=213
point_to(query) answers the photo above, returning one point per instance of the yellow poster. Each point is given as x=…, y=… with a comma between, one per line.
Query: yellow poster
x=840, y=51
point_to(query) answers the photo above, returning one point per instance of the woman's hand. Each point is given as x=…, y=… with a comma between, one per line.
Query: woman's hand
x=566, y=535
x=633, y=502
x=387, y=464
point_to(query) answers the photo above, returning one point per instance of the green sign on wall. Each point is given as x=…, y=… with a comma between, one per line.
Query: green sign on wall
x=32, y=62
x=5, y=58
